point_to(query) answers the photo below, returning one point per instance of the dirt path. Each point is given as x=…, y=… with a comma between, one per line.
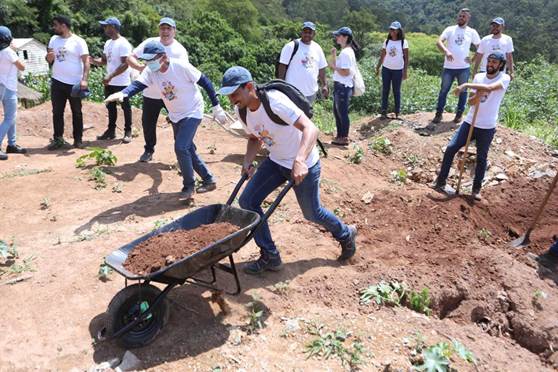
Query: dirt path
x=500, y=303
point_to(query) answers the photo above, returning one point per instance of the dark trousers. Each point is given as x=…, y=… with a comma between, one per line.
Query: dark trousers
x=391, y=78
x=60, y=93
x=341, y=100
x=112, y=112
x=151, y=110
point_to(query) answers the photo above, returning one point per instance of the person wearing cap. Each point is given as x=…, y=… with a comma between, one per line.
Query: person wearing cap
x=115, y=55
x=152, y=102
x=394, y=59
x=306, y=66
x=495, y=42
x=457, y=63
x=176, y=81
x=489, y=88
x=292, y=156
x=344, y=67
x=69, y=56
x=9, y=66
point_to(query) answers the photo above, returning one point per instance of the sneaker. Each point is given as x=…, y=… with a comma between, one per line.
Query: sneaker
x=458, y=117
x=3, y=155
x=383, y=116
x=78, y=144
x=147, y=156
x=206, y=187
x=15, y=149
x=443, y=188
x=348, y=246
x=264, y=263
x=127, y=136
x=340, y=141
x=437, y=118
x=57, y=143
x=477, y=195
x=107, y=135
x=186, y=194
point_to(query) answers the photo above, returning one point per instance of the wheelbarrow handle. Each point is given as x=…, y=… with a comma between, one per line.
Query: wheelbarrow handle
x=237, y=188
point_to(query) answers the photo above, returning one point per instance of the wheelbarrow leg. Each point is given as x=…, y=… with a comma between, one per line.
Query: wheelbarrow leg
x=231, y=270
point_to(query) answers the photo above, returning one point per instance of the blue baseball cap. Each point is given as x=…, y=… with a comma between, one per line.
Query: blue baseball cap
x=111, y=21
x=78, y=92
x=498, y=21
x=233, y=78
x=395, y=25
x=5, y=37
x=345, y=31
x=167, y=21
x=497, y=56
x=151, y=49
x=309, y=25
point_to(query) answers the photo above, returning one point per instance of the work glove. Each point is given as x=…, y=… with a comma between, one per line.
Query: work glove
x=115, y=97
x=219, y=114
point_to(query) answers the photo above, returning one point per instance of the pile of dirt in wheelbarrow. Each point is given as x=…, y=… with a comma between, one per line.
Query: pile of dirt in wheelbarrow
x=164, y=249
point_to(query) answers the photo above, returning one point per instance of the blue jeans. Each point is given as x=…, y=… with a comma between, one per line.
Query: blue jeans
x=270, y=176
x=483, y=139
x=341, y=99
x=185, y=149
x=448, y=75
x=391, y=78
x=554, y=249
x=8, y=126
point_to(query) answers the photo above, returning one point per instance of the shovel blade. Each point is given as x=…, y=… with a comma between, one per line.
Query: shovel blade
x=521, y=242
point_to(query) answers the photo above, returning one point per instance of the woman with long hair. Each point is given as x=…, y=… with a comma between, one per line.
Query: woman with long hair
x=394, y=60
x=344, y=67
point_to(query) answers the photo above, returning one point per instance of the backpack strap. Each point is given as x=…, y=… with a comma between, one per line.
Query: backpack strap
x=295, y=49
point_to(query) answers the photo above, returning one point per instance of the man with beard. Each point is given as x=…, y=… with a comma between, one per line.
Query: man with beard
x=69, y=56
x=115, y=53
x=457, y=62
x=302, y=63
x=495, y=42
x=489, y=89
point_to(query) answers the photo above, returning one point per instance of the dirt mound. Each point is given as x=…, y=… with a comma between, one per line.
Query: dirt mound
x=164, y=249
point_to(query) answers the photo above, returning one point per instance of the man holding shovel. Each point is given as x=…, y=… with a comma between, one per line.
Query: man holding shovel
x=489, y=89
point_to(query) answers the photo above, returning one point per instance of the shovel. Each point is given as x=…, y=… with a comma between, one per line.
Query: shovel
x=464, y=156
x=523, y=240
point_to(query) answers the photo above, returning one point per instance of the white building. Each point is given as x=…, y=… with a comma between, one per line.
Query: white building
x=33, y=53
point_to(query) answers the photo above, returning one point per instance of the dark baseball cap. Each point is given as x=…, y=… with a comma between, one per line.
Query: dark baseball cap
x=309, y=25
x=499, y=56
x=345, y=31
x=151, y=49
x=111, y=21
x=233, y=78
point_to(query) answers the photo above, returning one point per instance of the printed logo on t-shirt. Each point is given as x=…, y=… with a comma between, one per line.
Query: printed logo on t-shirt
x=61, y=54
x=168, y=90
x=392, y=51
x=484, y=97
x=308, y=61
x=109, y=56
x=264, y=135
x=496, y=48
x=460, y=39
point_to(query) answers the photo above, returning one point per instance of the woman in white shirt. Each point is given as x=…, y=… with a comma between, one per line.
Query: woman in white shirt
x=344, y=67
x=394, y=60
x=9, y=65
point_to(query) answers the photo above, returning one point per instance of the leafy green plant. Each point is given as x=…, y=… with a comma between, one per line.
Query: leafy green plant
x=104, y=271
x=19, y=267
x=8, y=250
x=356, y=155
x=281, y=288
x=540, y=294
x=399, y=176
x=436, y=358
x=484, y=234
x=412, y=160
x=331, y=344
x=160, y=223
x=382, y=145
x=463, y=352
x=420, y=301
x=98, y=176
x=391, y=293
x=100, y=155
x=255, y=315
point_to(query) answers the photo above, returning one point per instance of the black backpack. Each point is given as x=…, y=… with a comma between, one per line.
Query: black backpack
x=292, y=93
x=295, y=49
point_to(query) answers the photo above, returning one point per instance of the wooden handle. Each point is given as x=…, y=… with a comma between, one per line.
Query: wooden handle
x=541, y=208
x=464, y=156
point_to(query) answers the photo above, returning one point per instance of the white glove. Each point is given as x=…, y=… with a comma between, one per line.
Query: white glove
x=219, y=114
x=115, y=97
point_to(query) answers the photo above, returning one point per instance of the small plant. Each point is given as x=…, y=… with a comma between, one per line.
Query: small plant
x=98, y=176
x=117, y=188
x=540, y=295
x=420, y=301
x=484, y=234
x=281, y=288
x=100, y=155
x=212, y=149
x=160, y=223
x=412, y=160
x=436, y=358
x=255, y=316
x=463, y=352
x=331, y=344
x=104, y=272
x=399, y=176
x=382, y=145
x=356, y=155
x=339, y=212
x=384, y=293
x=8, y=250
x=23, y=266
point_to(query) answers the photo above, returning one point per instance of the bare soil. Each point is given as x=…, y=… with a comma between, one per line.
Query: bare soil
x=500, y=302
x=164, y=249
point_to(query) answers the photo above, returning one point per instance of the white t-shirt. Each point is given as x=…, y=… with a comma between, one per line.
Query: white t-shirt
x=459, y=40
x=178, y=89
x=8, y=69
x=114, y=50
x=174, y=50
x=305, y=66
x=68, y=66
x=282, y=141
x=345, y=59
x=394, y=54
x=487, y=118
x=489, y=44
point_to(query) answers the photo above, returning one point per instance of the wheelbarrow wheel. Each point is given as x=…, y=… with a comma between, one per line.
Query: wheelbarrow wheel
x=127, y=305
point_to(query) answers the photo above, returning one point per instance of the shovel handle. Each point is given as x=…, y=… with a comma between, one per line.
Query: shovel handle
x=543, y=204
x=469, y=136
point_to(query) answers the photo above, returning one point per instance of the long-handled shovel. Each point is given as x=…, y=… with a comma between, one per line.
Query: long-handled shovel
x=464, y=156
x=523, y=240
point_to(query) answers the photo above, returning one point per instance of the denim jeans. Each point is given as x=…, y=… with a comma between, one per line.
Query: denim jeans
x=483, y=139
x=448, y=76
x=60, y=93
x=311, y=98
x=341, y=99
x=112, y=112
x=391, y=78
x=8, y=125
x=554, y=248
x=185, y=149
x=269, y=177
x=151, y=110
